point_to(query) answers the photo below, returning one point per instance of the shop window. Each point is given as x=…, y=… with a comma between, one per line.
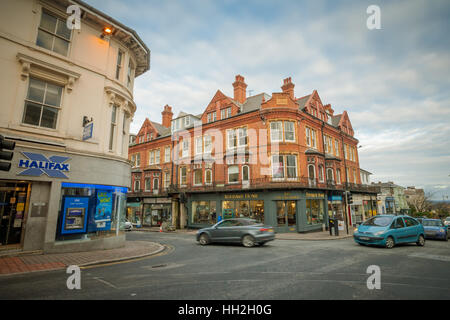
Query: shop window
x=203, y=212
x=281, y=214
x=42, y=104
x=286, y=213
x=314, y=211
x=253, y=209
x=53, y=33
x=233, y=174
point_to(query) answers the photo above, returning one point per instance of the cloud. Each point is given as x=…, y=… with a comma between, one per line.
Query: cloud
x=393, y=82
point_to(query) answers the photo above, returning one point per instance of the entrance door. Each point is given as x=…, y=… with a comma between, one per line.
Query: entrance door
x=13, y=200
x=287, y=213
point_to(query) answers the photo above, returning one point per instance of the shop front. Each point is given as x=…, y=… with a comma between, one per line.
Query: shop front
x=56, y=201
x=336, y=210
x=14, y=202
x=290, y=211
x=156, y=211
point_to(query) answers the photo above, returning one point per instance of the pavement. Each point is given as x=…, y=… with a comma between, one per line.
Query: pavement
x=25, y=262
x=322, y=235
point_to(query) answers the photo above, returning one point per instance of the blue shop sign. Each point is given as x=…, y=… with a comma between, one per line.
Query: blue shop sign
x=36, y=164
x=87, y=131
x=334, y=198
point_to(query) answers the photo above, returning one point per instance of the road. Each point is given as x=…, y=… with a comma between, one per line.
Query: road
x=283, y=269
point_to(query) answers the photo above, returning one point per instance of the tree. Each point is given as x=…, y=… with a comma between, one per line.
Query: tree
x=422, y=202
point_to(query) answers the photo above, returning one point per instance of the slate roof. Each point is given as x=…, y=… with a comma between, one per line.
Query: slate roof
x=163, y=131
x=254, y=102
x=302, y=101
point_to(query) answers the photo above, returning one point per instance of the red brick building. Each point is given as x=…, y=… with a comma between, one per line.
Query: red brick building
x=280, y=159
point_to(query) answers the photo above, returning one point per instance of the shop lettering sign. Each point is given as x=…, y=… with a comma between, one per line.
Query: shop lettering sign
x=36, y=164
x=241, y=196
x=314, y=195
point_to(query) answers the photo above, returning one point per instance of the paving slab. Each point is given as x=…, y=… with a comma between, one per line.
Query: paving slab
x=22, y=262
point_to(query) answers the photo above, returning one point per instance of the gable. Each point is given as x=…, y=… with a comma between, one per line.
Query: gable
x=217, y=103
x=345, y=124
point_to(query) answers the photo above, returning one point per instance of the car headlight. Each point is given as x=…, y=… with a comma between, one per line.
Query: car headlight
x=442, y=230
x=378, y=233
x=356, y=230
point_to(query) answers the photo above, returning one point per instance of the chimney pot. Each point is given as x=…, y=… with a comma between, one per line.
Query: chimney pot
x=167, y=115
x=240, y=93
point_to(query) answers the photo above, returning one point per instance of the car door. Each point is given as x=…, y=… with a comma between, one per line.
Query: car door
x=399, y=232
x=411, y=231
x=225, y=231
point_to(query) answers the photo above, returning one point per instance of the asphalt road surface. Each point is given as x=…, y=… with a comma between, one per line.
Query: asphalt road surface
x=282, y=269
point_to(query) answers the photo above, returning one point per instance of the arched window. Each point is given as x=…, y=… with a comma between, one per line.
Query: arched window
x=245, y=173
x=208, y=176
x=321, y=173
x=330, y=177
x=155, y=184
x=137, y=185
x=311, y=172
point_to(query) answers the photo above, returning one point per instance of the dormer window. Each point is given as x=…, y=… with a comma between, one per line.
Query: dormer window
x=187, y=121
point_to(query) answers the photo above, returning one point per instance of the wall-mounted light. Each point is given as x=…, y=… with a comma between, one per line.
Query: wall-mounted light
x=107, y=31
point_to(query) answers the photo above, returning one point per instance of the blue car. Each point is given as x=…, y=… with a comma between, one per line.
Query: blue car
x=435, y=229
x=389, y=230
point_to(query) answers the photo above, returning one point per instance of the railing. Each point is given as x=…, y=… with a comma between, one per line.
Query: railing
x=260, y=183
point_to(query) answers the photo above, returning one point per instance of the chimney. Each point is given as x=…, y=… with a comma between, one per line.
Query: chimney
x=167, y=116
x=240, y=89
x=288, y=87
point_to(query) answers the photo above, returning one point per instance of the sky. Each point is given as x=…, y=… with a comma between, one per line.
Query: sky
x=393, y=82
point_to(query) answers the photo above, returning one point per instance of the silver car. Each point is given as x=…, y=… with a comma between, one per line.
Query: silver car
x=240, y=230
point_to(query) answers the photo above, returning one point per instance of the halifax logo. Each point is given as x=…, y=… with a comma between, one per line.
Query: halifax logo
x=37, y=164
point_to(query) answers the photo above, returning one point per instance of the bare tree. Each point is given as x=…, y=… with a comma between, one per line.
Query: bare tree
x=422, y=202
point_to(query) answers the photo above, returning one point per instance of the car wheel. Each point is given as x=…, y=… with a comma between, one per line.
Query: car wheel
x=390, y=243
x=204, y=239
x=421, y=241
x=248, y=241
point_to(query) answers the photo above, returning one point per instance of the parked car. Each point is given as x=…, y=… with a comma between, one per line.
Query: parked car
x=447, y=222
x=420, y=220
x=240, y=230
x=435, y=229
x=389, y=230
x=126, y=225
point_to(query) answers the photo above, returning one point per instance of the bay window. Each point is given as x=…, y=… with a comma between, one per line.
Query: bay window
x=289, y=131
x=276, y=131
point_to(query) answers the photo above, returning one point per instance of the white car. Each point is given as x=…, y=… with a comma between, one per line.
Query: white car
x=447, y=222
x=126, y=225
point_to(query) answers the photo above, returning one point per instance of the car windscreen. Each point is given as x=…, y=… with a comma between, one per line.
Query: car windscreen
x=432, y=223
x=378, y=221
